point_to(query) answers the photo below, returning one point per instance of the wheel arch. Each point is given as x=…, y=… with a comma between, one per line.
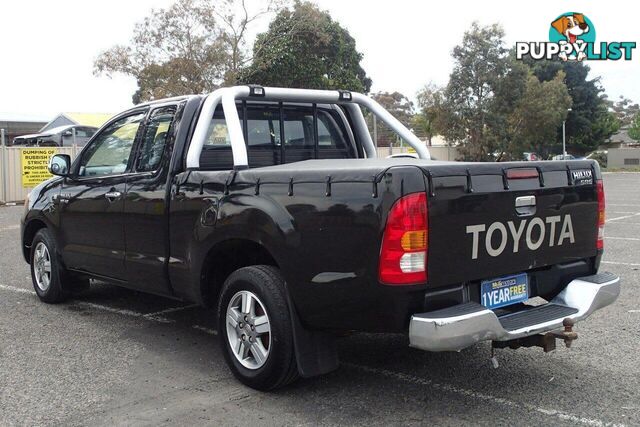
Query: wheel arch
x=225, y=257
x=316, y=351
x=30, y=229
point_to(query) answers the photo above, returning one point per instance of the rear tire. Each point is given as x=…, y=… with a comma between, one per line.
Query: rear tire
x=256, y=333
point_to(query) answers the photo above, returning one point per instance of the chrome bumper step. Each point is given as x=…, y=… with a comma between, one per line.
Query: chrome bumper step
x=534, y=315
x=461, y=326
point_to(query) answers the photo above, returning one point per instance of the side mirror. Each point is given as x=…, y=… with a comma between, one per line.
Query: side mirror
x=67, y=133
x=60, y=164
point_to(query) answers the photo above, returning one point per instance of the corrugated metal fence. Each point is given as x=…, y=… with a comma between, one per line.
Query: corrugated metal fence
x=14, y=187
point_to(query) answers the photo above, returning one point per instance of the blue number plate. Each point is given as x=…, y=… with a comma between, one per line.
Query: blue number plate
x=504, y=291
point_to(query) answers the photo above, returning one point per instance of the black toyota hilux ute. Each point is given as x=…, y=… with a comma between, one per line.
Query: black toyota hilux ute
x=270, y=206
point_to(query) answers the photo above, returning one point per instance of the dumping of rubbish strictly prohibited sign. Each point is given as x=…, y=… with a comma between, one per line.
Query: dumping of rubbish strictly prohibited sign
x=34, y=162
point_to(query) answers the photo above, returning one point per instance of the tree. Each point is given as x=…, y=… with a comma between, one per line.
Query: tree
x=236, y=17
x=494, y=107
x=430, y=119
x=193, y=46
x=589, y=122
x=605, y=125
x=305, y=48
x=479, y=63
x=526, y=112
x=400, y=107
x=625, y=110
x=634, y=128
x=502, y=129
x=535, y=117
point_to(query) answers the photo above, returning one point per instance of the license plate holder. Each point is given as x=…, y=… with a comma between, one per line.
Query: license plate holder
x=504, y=291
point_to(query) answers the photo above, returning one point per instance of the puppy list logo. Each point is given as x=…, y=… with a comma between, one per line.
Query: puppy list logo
x=572, y=37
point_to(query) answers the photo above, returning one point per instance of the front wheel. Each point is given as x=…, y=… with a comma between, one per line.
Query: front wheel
x=255, y=328
x=45, y=270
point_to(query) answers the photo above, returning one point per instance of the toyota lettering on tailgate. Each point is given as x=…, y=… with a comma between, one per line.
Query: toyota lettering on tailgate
x=535, y=232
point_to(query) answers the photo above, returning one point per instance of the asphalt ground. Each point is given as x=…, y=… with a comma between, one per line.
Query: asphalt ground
x=118, y=357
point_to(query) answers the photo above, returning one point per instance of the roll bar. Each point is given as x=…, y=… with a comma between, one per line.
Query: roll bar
x=350, y=100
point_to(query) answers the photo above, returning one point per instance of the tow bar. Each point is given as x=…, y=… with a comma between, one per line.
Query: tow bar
x=546, y=341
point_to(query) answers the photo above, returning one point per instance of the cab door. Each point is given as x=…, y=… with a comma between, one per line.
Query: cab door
x=146, y=216
x=92, y=201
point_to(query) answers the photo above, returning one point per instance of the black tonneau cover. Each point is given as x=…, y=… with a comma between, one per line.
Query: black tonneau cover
x=561, y=228
x=477, y=195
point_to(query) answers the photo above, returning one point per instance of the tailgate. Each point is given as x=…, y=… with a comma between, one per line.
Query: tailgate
x=494, y=219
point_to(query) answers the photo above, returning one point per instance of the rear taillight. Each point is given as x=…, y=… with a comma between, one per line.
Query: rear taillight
x=403, y=257
x=600, y=190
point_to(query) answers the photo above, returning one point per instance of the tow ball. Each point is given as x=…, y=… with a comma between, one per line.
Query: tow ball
x=546, y=341
x=567, y=335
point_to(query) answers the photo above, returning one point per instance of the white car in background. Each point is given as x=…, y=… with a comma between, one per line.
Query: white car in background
x=62, y=136
x=566, y=157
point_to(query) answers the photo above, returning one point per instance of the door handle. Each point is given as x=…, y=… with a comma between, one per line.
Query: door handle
x=113, y=195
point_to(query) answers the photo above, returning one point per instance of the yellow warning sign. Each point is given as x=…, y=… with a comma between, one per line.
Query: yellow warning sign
x=34, y=162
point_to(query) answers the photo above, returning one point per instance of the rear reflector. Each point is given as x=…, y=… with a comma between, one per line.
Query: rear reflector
x=601, y=214
x=522, y=173
x=403, y=255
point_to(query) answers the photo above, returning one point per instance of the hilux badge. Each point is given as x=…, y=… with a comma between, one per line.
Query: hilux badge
x=582, y=177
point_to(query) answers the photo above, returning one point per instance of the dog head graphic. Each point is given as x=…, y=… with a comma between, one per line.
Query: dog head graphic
x=571, y=26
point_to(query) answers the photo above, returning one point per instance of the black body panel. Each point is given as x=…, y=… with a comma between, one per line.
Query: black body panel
x=326, y=246
x=92, y=227
x=321, y=221
x=453, y=208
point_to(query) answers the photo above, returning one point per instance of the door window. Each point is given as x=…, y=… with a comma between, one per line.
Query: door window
x=154, y=140
x=85, y=132
x=110, y=152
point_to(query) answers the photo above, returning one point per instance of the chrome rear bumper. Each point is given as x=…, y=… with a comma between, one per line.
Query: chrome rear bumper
x=461, y=326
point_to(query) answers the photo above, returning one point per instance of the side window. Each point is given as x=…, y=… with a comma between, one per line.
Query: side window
x=110, y=152
x=330, y=134
x=298, y=128
x=216, y=152
x=154, y=139
x=81, y=133
x=218, y=135
x=85, y=132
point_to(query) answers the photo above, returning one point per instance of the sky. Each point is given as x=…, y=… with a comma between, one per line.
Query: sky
x=47, y=48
